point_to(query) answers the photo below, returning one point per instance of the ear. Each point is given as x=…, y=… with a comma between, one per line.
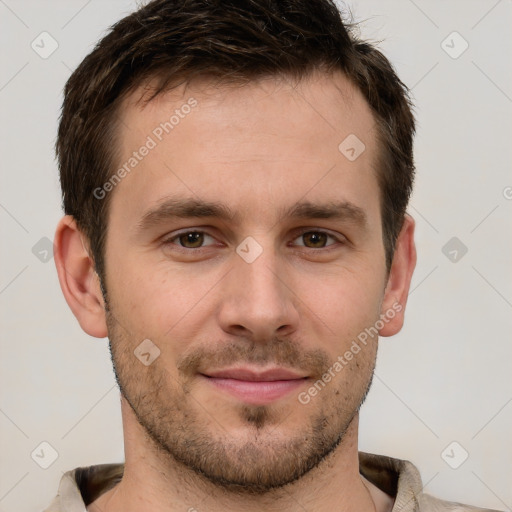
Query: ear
x=399, y=280
x=78, y=280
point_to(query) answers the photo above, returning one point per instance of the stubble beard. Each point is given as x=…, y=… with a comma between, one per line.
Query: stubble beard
x=267, y=455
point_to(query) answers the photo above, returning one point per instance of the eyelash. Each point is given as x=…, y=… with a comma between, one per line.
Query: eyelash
x=170, y=240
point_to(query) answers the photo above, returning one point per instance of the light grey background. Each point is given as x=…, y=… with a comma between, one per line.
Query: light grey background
x=446, y=377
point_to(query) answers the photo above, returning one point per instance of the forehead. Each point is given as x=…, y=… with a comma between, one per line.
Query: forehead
x=272, y=138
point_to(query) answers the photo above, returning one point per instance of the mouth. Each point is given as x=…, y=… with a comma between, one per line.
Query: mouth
x=255, y=386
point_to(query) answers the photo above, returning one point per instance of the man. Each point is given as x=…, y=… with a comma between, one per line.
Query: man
x=235, y=177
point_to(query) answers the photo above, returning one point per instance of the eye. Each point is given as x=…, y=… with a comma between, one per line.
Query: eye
x=191, y=239
x=316, y=239
x=195, y=239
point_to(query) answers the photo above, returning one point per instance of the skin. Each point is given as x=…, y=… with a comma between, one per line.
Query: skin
x=258, y=149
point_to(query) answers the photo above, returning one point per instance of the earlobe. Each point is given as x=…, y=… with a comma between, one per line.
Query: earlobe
x=399, y=280
x=78, y=280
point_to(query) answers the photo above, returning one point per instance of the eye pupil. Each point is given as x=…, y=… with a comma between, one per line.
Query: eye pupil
x=314, y=239
x=192, y=239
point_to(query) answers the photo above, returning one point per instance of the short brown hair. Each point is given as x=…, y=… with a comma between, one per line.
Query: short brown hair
x=176, y=41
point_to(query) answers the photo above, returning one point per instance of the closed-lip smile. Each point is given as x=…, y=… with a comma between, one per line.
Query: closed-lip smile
x=255, y=385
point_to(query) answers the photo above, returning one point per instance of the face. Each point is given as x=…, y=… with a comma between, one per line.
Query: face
x=247, y=248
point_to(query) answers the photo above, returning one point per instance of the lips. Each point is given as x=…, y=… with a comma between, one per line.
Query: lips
x=255, y=386
x=247, y=374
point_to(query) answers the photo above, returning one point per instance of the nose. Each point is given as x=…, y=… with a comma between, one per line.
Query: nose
x=257, y=299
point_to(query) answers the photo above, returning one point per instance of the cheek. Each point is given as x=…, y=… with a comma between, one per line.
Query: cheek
x=158, y=301
x=346, y=302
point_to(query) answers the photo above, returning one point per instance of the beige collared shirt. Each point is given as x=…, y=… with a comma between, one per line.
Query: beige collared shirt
x=398, y=478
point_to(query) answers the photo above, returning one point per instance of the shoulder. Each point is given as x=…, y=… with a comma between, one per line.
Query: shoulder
x=429, y=503
x=401, y=480
x=81, y=486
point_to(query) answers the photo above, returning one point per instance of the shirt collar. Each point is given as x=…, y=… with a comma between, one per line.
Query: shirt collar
x=400, y=479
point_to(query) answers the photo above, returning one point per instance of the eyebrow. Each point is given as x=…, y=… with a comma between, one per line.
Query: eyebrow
x=174, y=208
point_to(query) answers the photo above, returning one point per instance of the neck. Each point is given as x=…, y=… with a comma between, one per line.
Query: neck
x=154, y=481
